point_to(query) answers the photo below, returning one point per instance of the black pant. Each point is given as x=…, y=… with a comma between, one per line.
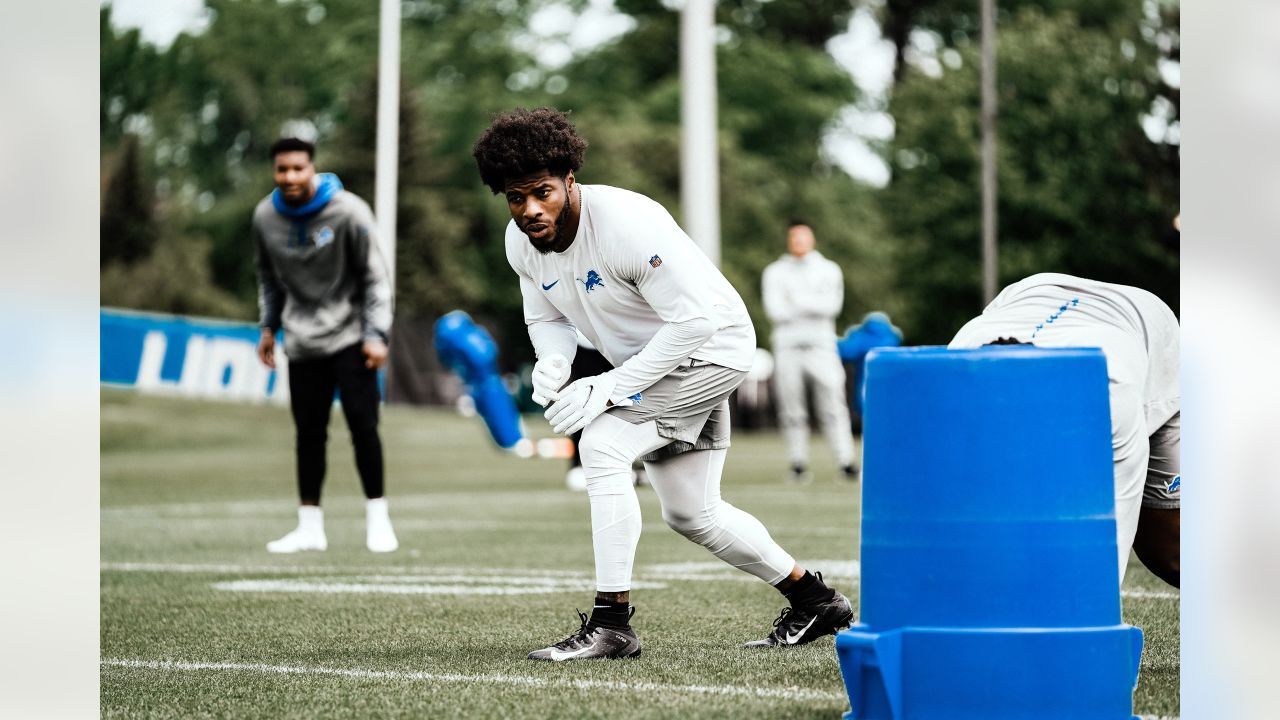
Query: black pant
x=311, y=386
x=587, y=363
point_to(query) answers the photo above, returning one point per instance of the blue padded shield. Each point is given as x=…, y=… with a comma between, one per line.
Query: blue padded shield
x=470, y=351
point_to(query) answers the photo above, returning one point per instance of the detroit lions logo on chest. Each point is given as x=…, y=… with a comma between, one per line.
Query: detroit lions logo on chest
x=592, y=282
x=323, y=237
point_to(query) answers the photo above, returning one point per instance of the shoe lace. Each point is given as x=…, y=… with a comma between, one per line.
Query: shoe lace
x=579, y=636
x=782, y=616
x=790, y=618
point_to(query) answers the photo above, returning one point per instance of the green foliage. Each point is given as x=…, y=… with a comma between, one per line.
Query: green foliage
x=1081, y=188
x=127, y=74
x=175, y=278
x=127, y=228
x=226, y=226
x=808, y=22
x=778, y=91
x=214, y=101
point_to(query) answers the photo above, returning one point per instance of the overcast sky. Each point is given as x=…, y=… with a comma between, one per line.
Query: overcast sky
x=861, y=50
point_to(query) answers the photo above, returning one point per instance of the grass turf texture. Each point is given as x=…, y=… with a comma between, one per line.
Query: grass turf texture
x=191, y=492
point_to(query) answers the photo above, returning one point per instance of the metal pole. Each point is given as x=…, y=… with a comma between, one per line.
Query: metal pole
x=699, y=149
x=988, y=150
x=388, y=142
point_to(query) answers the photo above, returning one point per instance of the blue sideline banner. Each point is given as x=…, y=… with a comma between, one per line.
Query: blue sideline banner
x=196, y=357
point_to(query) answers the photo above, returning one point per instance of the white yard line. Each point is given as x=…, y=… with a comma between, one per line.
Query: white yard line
x=422, y=585
x=284, y=508
x=789, y=693
x=713, y=571
x=1150, y=594
x=844, y=571
x=233, y=569
x=165, y=518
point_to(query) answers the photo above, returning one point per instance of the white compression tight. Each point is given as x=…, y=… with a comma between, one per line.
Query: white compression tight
x=688, y=486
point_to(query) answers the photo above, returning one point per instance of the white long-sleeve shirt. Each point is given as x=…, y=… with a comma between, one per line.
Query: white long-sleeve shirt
x=637, y=287
x=1139, y=336
x=802, y=297
x=1137, y=332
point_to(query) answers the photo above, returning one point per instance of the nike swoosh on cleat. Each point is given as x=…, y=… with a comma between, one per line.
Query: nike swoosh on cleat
x=548, y=287
x=557, y=655
x=792, y=638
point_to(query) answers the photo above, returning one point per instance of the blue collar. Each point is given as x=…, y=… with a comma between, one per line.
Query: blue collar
x=327, y=186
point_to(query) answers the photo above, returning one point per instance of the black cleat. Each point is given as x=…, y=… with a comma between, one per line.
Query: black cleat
x=800, y=625
x=799, y=475
x=849, y=472
x=592, y=642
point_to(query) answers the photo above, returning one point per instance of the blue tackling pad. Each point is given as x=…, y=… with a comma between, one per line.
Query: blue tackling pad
x=470, y=351
x=990, y=584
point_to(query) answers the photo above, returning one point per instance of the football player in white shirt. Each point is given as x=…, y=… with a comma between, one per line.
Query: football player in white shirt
x=1139, y=336
x=614, y=265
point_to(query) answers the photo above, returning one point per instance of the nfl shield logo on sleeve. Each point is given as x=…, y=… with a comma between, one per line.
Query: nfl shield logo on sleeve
x=655, y=261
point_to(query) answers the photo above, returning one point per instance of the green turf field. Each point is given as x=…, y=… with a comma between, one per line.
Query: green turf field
x=199, y=621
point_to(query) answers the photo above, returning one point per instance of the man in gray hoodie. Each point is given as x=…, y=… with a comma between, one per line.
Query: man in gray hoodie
x=322, y=277
x=803, y=293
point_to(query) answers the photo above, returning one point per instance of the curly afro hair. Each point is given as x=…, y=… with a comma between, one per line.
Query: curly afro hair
x=522, y=141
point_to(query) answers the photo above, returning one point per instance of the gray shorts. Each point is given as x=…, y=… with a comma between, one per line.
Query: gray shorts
x=1164, y=474
x=691, y=407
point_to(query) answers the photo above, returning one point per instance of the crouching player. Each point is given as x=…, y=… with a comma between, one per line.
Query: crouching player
x=616, y=266
x=1140, y=337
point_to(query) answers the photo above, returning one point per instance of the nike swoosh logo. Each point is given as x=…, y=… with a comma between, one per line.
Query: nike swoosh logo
x=792, y=638
x=557, y=655
x=548, y=287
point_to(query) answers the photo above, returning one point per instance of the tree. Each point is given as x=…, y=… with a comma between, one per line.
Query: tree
x=128, y=69
x=436, y=260
x=778, y=92
x=1082, y=189
x=127, y=227
x=213, y=102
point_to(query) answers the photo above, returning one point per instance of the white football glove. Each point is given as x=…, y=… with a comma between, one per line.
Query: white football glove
x=549, y=375
x=580, y=403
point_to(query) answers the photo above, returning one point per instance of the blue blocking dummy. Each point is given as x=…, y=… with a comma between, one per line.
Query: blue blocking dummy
x=469, y=350
x=875, y=331
x=989, y=581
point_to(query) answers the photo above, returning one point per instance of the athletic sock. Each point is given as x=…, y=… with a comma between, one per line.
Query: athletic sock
x=310, y=517
x=808, y=590
x=376, y=509
x=607, y=613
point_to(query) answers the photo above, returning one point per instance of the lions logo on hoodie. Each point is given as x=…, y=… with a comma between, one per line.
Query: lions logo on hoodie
x=324, y=236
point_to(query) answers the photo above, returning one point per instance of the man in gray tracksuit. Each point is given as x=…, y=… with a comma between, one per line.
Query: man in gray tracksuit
x=803, y=294
x=322, y=277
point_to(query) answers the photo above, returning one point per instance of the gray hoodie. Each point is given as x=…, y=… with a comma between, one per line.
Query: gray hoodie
x=322, y=278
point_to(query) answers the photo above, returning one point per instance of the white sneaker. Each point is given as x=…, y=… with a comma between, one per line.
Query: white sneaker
x=309, y=534
x=379, y=535
x=299, y=540
x=576, y=479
